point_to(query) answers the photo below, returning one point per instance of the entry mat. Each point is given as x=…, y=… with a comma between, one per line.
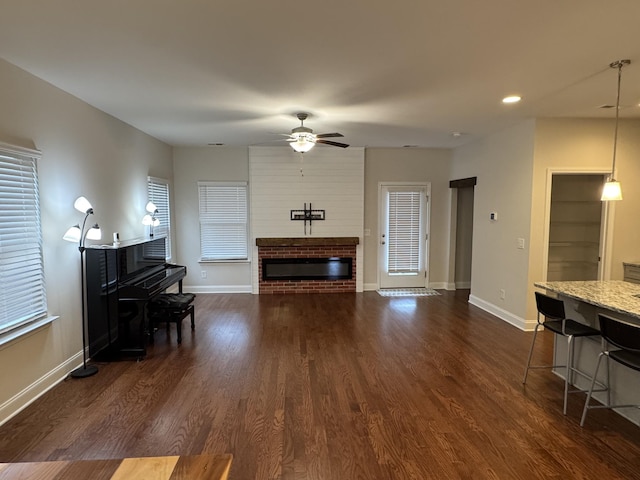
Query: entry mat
x=407, y=292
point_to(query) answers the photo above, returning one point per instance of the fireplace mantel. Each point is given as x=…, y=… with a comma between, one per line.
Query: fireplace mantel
x=307, y=241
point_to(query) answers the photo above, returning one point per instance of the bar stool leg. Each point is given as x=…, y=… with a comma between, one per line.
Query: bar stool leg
x=568, y=379
x=593, y=382
x=533, y=342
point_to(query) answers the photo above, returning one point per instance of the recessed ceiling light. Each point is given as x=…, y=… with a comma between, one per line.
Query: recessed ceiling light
x=456, y=134
x=511, y=99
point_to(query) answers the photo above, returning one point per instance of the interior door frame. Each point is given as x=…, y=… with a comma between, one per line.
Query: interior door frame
x=427, y=226
x=606, y=225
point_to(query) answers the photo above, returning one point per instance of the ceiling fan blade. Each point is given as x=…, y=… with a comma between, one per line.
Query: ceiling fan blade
x=335, y=144
x=327, y=135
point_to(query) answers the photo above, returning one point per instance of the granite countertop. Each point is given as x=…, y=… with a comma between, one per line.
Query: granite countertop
x=614, y=295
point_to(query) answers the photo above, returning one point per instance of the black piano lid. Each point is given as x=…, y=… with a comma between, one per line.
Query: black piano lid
x=126, y=243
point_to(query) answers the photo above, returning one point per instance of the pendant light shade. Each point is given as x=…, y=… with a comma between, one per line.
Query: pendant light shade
x=612, y=189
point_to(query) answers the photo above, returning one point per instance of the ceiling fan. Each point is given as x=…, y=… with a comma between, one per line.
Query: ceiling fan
x=302, y=139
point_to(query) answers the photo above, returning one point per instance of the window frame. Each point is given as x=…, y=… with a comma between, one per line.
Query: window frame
x=154, y=184
x=21, y=243
x=238, y=227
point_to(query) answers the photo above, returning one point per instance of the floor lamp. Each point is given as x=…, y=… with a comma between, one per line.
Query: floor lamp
x=80, y=235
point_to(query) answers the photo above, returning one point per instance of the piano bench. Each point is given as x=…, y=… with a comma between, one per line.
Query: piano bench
x=171, y=308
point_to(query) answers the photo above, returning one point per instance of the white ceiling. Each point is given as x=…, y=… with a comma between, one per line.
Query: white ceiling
x=384, y=73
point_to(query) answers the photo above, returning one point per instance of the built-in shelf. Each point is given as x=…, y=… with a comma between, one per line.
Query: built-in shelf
x=572, y=243
x=574, y=227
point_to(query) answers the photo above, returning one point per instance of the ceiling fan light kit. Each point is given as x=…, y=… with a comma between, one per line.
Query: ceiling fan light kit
x=302, y=139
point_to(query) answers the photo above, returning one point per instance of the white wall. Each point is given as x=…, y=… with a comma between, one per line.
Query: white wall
x=84, y=152
x=409, y=165
x=193, y=164
x=329, y=179
x=503, y=164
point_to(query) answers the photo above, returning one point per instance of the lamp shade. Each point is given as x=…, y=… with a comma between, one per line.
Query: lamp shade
x=611, y=191
x=82, y=205
x=73, y=234
x=150, y=221
x=94, y=233
x=151, y=207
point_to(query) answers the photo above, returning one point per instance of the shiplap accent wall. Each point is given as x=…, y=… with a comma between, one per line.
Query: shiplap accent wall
x=330, y=178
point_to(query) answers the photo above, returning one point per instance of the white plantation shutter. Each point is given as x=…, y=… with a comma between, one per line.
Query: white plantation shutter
x=404, y=232
x=23, y=297
x=158, y=193
x=223, y=220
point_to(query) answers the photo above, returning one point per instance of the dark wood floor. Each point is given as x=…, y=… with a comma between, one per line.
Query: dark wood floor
x=334, y=387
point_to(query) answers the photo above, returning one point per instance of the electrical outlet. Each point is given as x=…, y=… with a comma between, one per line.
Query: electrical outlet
x=502, y=294
x=367, y=232
x=521, y=243
x=203, y=274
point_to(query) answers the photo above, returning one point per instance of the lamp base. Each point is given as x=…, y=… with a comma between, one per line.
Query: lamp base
x=84, y=371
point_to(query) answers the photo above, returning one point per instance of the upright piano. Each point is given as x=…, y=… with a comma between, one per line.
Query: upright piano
x=120, y=281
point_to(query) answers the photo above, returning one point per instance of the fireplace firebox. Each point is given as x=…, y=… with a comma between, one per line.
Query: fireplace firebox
x=330, y=268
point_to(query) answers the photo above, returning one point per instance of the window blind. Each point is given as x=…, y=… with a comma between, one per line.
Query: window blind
x=158, y=193
x=404, y=232
x=223, y=220
x=22, y=284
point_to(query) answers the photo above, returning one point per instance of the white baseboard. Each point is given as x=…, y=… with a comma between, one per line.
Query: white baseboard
x=31, y=393
x=463, y=285
x=368, y=287
x=500, y=313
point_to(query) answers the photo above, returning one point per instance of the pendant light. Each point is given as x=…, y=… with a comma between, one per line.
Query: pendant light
x=612, y=189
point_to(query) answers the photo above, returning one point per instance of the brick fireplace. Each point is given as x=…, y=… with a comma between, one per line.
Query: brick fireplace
x=307, y=248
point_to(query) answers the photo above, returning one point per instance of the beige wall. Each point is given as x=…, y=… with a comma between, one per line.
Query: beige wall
x=409, y=165
x=217, y=164
x=503, y=165
x=512, y=169
x=84, y=152
x=587, y=145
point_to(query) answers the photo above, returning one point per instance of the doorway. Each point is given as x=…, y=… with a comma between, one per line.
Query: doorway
x=404, y=235
x=576, y=220
x=462, y=203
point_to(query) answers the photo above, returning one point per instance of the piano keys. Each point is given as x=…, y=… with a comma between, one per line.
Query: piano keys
x=120, y=281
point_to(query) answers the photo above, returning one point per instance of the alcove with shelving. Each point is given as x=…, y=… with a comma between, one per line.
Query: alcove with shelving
x=575, y=227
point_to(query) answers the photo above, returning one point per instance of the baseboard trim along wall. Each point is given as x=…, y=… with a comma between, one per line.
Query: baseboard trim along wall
x=501, y=314
x=31, y=393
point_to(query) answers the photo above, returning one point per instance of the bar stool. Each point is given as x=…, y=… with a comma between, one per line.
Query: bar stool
x=626, y=340
x=551, y=316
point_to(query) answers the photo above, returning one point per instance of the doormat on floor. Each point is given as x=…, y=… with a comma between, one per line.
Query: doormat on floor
x=407, y=292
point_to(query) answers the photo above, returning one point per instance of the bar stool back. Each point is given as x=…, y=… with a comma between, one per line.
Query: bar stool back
x=626, y=340
x=551, y=315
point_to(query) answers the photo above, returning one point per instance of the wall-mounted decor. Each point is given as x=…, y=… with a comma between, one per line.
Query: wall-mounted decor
x=307, y=215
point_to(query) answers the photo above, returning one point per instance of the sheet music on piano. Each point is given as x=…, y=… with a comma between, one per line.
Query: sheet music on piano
x=121, y=279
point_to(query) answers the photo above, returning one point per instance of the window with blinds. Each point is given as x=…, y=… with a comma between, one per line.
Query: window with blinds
x=22, y=284
x=404, y=239
x=223, y=221
x=158, y=193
